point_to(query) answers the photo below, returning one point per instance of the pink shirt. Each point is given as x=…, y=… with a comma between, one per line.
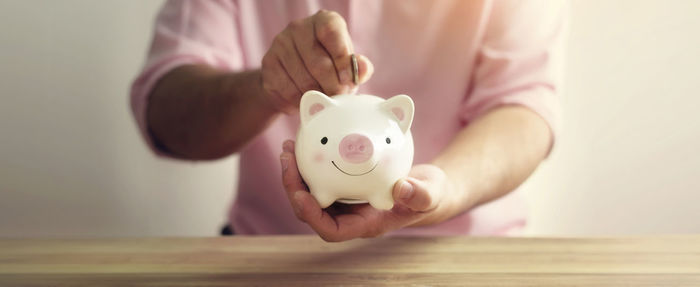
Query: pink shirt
x=456, y=59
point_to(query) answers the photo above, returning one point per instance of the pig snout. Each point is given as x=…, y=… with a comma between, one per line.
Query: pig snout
x=356, y=148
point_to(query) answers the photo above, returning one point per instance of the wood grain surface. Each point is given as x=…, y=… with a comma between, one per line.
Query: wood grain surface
x=308, y=261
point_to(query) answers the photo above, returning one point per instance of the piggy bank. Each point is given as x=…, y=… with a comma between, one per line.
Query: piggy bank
x=353, y=148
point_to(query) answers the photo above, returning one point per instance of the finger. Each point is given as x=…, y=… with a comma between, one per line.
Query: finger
x=331, y=31
x=277, y=84
x=316, y=59
x=414, y=194
x=290, y=59
x=289, y=146
x=365, y=68
x=291, y=179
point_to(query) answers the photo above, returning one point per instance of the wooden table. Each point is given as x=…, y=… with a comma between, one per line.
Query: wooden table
x=308, y=261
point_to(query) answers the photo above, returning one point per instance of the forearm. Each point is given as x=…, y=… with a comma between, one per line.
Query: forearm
x=492, y=156
x=198, y=112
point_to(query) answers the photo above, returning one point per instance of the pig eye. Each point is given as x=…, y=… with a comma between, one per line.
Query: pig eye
x=388, y=140
x=324, y=140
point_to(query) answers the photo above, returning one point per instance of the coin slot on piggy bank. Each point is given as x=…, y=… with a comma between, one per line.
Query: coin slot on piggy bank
x=353, y=148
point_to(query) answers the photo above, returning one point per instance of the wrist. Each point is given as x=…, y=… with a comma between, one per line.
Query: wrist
x=458, y=194
x=464, y=195
x=450, y=204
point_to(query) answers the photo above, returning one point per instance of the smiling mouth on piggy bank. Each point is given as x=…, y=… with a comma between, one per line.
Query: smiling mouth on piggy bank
x=351, y=174
x=354, y=148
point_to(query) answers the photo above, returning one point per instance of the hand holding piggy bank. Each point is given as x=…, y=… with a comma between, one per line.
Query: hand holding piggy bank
x=353, y=148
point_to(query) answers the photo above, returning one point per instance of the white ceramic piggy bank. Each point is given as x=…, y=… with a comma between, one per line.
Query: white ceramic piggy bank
x=353, y=148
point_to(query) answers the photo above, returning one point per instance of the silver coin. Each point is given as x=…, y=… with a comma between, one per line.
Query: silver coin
x=355, y=70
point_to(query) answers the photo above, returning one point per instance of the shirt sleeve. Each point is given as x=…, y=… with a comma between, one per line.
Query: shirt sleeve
x=186, y=32
x=520, y=61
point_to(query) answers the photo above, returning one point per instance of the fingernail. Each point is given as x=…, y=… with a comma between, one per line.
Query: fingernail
x=284, y=159
x=405, y=191
x=345, y=77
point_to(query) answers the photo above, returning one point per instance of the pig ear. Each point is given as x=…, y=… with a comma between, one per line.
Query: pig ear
x=401, y=108
x=313, y=102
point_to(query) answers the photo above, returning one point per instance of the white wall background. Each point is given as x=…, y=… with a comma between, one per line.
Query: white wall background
x=72, y=164
x=628, y=161
x=71, y=160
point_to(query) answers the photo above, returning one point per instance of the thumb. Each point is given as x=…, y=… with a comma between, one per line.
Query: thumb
x=365, y=68
x=413, y=194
